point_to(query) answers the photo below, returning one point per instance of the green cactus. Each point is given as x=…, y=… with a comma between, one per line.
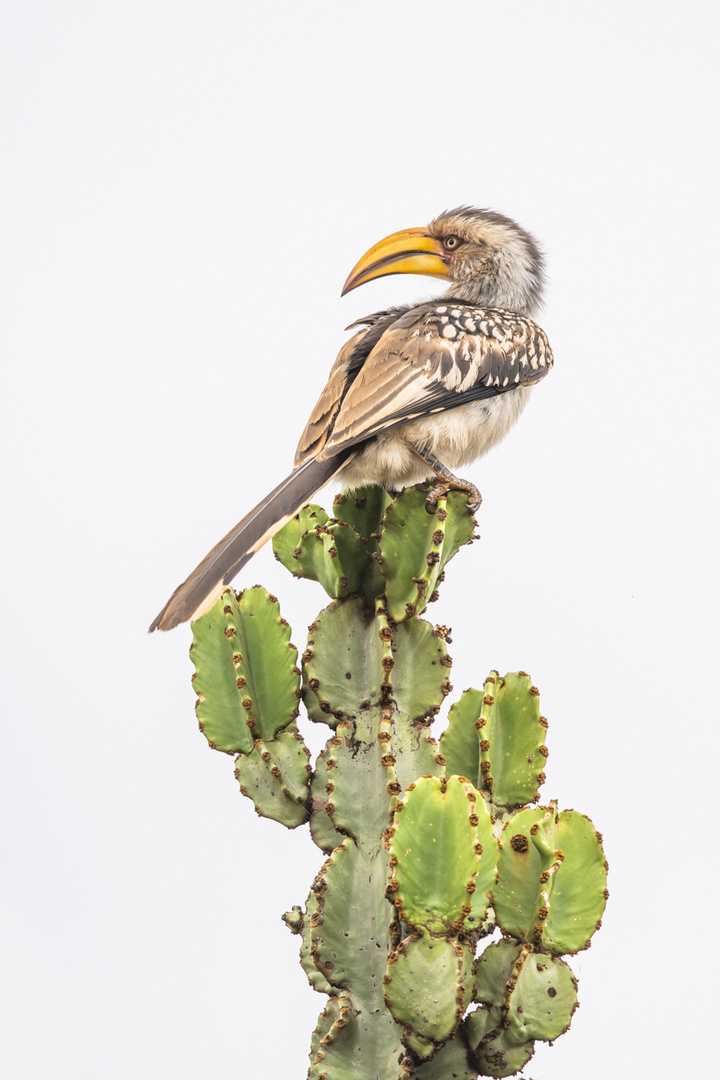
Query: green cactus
x=428, y=849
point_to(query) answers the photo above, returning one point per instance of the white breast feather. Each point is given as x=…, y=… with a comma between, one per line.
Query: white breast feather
x=456, y=437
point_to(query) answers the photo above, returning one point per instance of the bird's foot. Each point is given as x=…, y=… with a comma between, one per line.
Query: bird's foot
x=453, y=483
x=447, y=481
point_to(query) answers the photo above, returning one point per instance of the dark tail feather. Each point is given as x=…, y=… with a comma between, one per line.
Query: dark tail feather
x=219, y=567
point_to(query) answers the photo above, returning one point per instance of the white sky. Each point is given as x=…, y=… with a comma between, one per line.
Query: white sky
x=185, y=187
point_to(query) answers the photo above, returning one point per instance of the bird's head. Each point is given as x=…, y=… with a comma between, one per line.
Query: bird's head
x=488, y=259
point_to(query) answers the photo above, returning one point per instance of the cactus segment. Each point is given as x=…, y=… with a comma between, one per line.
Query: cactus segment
x=315, y=977
x=287, y=540
x=497, y=739
x=221, y=717
x=428, y=986
x=525, y=996
x=350, y=935
x=460, y=742
x=420, y=674
x=327, y=1028
x=415, y=752
x=342, y=665
x=524, y=873
x=336, y=552
x=334, y=555
x=294, y=919
x=349, y=1044
x=415, y=546
x=494, y=1049
x=482, y=1024
x=358, y=774
x=517, y=739
x=322, y=830
x=543, y=999
x=451, y=1060
x=349, y=945
x=551, y=888
x=362, y=510
x=246, y=674
x=276, y=776
x=494, y=970
x=579, y=888
x=437, y=855
x=338, y=1045
x=498, y=1056
x=355, y=662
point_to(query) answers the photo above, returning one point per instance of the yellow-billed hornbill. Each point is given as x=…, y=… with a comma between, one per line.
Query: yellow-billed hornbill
x=417, y=391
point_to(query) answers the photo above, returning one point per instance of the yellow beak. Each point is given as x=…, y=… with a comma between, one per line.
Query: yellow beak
x=410, y=251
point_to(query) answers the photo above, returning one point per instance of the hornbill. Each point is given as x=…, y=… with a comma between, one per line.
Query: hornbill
x=417, y=391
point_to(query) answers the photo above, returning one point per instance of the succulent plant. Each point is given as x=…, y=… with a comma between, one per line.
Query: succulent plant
x=430, y=849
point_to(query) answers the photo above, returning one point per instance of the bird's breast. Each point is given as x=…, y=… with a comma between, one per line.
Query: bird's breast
x=455, y=436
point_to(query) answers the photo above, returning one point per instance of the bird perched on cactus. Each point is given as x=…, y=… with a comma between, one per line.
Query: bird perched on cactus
x=418, y=391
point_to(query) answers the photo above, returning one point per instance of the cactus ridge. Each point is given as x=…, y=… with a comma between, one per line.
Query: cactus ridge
x=247, y=677
x=363, y=511
x=350, y=940
x=428, y=987
x=452, y=1059
x=428, y=846
x=552, y=885
x=357, y=659
x=524, y=996
x=276, y=775
x=377, y=545
x=359, y=772
x=415, y=549
x=441, y=842
x=286, y=543
x=332, y=554
x=496, y=737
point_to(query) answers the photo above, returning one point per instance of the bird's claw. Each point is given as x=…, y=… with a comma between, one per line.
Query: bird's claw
x=444, y=486
x=431, y=501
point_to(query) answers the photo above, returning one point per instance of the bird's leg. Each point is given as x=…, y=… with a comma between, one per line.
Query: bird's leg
x=447, y=481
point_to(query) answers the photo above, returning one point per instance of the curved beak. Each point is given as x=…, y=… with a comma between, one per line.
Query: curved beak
x=410, y=251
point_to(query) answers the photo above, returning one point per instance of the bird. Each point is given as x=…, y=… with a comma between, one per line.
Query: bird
x=417, y=391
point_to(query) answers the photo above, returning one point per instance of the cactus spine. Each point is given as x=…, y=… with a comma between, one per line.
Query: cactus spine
x=429, y=849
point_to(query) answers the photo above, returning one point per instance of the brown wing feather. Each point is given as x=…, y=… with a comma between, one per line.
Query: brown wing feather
x=321, y=419
x=434, y=357
x=349, y=361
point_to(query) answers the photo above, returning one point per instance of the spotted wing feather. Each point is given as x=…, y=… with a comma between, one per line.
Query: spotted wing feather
x=433, y=357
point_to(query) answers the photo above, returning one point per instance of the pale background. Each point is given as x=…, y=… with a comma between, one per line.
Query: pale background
x=185, y=186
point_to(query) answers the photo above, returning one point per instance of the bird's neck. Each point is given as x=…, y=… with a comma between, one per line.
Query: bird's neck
x=510, y=279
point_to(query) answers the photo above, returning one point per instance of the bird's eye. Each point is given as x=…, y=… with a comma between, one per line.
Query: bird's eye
x=451, y=242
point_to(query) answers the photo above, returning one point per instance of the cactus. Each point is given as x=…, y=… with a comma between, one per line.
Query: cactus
x=430, y=849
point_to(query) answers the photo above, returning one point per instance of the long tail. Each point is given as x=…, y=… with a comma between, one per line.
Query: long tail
x=200, y=590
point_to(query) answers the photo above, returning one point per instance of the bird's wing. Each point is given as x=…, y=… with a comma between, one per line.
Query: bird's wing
x=321, y=419
x=349, y=361
x=436, y=356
